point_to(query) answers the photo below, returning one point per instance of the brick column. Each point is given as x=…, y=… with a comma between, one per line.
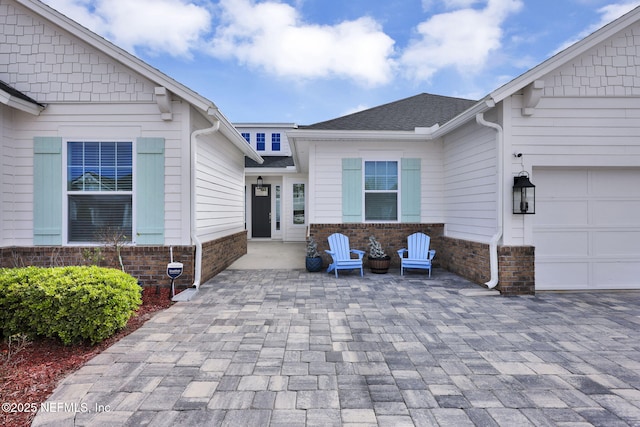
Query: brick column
x=516, y=265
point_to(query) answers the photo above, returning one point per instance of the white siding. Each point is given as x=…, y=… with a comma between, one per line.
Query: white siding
x=6, y=178
x=325, y=175
x=100, y=121
x=470, y=183
x=598, y=130
x=219, y=188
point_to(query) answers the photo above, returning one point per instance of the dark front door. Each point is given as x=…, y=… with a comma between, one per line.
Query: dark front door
x=261, y=211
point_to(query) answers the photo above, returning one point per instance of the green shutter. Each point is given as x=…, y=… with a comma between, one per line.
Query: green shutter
x=352, y=190
x=411, y=194
x=47, y=191
x=149, y=191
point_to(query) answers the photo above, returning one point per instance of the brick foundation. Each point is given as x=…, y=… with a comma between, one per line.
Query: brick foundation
x=146, y=263
x=392, y=237
x=221, y=253
x=466, y=258
x=516, y=264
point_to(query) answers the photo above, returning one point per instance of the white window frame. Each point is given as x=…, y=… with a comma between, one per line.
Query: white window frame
x=66, y=193
x=398, y=191
x=306, y=197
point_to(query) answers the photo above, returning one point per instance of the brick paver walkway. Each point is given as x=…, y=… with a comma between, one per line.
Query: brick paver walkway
x=290, y=348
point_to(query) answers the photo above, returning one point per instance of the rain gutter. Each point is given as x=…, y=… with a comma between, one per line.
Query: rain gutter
x=197, y=276
x=493, y=245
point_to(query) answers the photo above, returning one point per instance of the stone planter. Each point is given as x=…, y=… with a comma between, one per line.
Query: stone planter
x=379, y=265
x=313, y=264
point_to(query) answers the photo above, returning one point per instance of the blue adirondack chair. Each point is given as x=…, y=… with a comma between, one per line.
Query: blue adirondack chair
x=418, y=254
x=341, y=254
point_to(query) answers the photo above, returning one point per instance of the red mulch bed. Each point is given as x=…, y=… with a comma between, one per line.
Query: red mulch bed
x=32, y=374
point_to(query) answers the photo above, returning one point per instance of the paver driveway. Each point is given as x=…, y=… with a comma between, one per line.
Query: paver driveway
x=291, y=348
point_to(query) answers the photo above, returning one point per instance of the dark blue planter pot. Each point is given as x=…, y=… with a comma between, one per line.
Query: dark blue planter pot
x=313, y=264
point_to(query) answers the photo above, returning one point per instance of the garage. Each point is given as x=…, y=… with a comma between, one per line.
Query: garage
x=586, y=229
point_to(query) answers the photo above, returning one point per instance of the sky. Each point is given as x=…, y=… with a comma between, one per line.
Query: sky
x=307, y=61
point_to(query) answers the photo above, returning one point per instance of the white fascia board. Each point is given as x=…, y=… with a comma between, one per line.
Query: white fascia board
x=355, y=135
x=266, y=125
x=20, y=104
x=294, y=152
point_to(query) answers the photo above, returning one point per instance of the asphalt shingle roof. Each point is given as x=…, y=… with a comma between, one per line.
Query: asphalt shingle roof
x=269, y=162
x=423, y=110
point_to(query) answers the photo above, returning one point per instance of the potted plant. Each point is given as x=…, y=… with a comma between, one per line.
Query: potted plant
x=314, y=260
x=379, y=261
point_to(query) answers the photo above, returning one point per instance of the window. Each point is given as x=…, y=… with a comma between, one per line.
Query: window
x=275, y=142
x=99, y=190
x=298, y=204
x=260, y=142
x=381, y=191
x=247, y=137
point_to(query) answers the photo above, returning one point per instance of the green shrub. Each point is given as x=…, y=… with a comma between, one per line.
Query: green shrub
x=70, y=303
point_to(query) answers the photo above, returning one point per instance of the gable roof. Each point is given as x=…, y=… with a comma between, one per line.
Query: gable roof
x=137, y=65
x=426, y=110
x=563, y=57
x=539, y=71
x=419, y=111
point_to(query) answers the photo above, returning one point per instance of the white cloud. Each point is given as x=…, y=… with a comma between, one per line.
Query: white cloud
x=448, y=4
x=174, y=27
x=356, y=109
x=79, y=11
x=607, y=13
x=614, y=11
x=272, y=36
x=462, y=39
x=459, y=4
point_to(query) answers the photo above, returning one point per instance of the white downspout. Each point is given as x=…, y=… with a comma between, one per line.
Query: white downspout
x=194, y=229
x=493, y=246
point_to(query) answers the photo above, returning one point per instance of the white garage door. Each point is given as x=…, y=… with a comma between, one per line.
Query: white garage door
x=587, y=228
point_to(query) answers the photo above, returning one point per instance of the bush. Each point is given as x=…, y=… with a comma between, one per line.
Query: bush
x=70, y=303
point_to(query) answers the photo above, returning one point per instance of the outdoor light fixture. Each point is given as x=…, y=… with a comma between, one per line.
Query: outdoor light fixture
x=260, y=182
x=524, y=194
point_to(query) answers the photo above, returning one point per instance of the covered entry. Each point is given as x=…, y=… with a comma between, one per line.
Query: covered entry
x=586, y=229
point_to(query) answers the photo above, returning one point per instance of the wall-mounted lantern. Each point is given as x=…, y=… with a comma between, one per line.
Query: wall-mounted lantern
x=524, y=194
x=260, y=182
